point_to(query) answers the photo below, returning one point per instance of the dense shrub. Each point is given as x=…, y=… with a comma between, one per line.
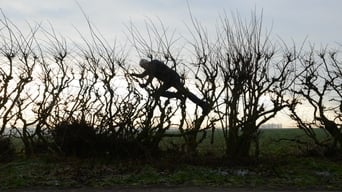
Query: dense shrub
x=75, y=138
x=82, y=140
x=122, y=148
x=7, y=150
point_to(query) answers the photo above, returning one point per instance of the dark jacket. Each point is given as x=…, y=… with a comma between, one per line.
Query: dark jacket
x=164, y=73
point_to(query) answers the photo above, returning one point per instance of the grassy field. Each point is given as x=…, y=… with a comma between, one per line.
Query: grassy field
x=272, y=141
x=284, y=164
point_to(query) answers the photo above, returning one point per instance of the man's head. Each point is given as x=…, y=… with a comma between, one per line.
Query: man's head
x=144, y=63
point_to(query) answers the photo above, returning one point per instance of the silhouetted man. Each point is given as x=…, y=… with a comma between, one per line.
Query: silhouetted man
x=170, y=78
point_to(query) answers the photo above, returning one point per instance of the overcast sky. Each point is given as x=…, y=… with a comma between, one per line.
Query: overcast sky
x=319, y=20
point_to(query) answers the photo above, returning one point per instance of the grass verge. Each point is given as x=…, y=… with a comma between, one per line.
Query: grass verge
x=281, y=166
x=303, y=172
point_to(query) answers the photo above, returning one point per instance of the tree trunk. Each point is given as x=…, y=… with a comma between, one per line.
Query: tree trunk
x=239, y=146
x=333, y=130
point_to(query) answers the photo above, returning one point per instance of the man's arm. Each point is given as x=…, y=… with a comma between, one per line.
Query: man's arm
x=149, y=80
x=141, y=75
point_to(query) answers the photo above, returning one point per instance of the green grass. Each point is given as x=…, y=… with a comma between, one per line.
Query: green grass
x=282, y=165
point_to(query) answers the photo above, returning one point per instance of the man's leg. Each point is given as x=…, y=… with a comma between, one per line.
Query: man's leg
x=170, y=94
x=193, y=98
x=162, y=89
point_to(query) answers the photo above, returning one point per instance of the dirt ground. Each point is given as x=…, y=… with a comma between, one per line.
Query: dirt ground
x=162, y=188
